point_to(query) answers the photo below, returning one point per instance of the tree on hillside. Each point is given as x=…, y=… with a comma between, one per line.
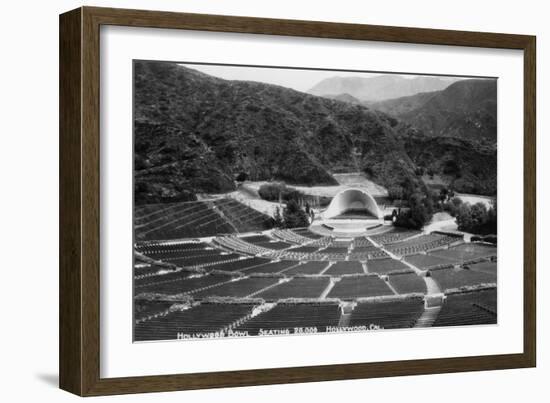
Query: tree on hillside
x=395, y=192
x=464, y=217
x=478, y=213
x=279, y=192
x=477, y=219
x=444, y=194
x=241, y=177
x=492, y=217
x=294, y=216
x=277, y=218
x=418, y=214
x=452, y=206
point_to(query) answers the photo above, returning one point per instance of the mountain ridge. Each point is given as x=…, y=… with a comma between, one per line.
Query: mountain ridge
x=379, y=88
x=466, y=109
x=194, y=133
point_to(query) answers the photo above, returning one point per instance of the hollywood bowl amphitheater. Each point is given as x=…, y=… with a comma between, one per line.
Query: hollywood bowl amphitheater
x=216, y=268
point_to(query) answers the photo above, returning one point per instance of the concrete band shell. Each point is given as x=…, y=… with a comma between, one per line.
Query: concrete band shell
x=352, y=199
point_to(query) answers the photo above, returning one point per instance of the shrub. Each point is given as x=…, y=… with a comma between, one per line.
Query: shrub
x=271, y=191
x=452, y=168
x=274, y=191
x=395, y=193
x=491, y=239
x=241, y=177
x=452, y=206
x=477, y=219
x=294, y=216
x=418, y=214
x=277, y=218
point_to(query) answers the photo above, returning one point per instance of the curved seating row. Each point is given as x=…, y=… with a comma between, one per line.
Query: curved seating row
x=422, y=243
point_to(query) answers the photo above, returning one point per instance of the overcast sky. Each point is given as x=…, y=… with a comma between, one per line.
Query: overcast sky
x=301, y=80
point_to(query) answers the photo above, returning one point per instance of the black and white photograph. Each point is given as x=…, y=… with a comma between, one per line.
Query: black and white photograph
x=277, y=201
x=264, y=202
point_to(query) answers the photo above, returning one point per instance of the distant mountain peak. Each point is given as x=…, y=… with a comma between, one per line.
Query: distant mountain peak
x=378, y=88
x=345, y=97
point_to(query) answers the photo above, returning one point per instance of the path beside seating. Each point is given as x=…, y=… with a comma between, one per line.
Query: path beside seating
x=431, y=286
x=327, y=290
x=428, y=317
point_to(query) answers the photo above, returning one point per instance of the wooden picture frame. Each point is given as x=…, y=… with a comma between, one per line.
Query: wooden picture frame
x=79, y=279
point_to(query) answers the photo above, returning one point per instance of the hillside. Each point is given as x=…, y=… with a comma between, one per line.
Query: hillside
x=194, y=133
x=344, y=98
x=466, y=109
x=400, y=106
x=464, y=165
x=379, y=88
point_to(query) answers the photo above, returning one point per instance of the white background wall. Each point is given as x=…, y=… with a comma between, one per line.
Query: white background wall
x=29, y=199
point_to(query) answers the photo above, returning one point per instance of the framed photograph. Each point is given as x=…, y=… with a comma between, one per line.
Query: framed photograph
x=249, y=201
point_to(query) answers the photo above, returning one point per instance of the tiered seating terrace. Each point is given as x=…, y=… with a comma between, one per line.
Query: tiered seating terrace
x=467, y=252
x=455, y=278
x=203, y=260
x=385, y=266
x=308, y=268
x=469, y=308
x=240, y=245
x=393, y=314
x=238, y=289
x=181, y=285
x=345, y=267
x=362, y=242
x=272, y=267
x=200, y=321
x=307, y=233
x=352, y=287
x=422, y=243
x=298, y=287
x=393, y=236
x=241, y=264
x=284, y=318
x=179, y=220
x=427, y=261
x=290, y=236
x=244, y=218
x=405, y=283
x=144, y=309
x=489, y=267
